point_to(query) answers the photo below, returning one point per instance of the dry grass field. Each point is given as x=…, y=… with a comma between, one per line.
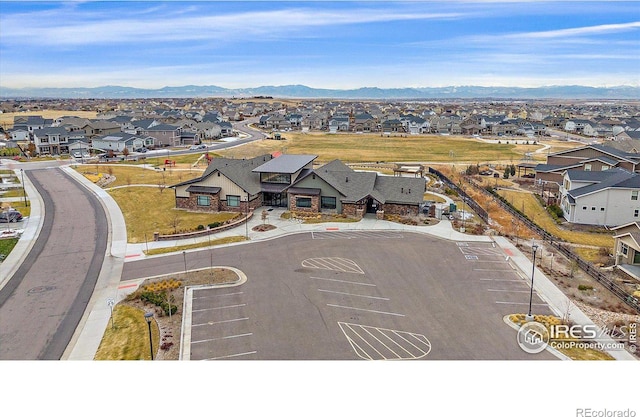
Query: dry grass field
x=352, y=148
x=527, y=203
x=6, y=119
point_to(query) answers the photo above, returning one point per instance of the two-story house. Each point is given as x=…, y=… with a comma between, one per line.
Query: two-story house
x=601, y=198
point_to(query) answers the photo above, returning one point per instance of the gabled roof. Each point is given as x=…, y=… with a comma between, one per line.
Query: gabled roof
x=616, y=153
x=617, y=178
x=162, y=128
x=554, y=168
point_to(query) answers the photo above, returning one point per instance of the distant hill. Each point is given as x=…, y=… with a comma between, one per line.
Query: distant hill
x=302, y=91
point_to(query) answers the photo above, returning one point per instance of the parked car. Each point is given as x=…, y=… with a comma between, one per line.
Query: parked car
x=10, y=216
x=197, y=147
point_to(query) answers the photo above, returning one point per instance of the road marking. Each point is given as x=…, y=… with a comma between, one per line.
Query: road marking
x=371, y=343
x=523, y=304
x=220, y=308
x=210, y=323
x=218, y=295
x=355, y=295
x=495, y=279
x=508, y=290
x=369, y=311
x=127, y=286
x=233, y=355
x=346, y=282
x=492, y=270
x=222, y=338
x=333, y=264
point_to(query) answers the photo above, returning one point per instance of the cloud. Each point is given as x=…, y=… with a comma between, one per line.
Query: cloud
x=191, y=24
x=579, y=31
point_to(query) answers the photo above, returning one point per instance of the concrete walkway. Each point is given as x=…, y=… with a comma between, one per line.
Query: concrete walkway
x=86, y=340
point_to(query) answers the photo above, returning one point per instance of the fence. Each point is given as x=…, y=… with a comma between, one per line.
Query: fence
x=587, y=267
x=482, y=213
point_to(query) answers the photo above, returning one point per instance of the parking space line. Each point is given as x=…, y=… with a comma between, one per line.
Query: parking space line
x=492, y=290
x=524, y=304
x=497, y=279
x=222, y=338
x=381, y=342
x=415, y=336
x=369, y=311
x=354, y=295
x=371, y=346
x=233, y=355
x=492, y=270
x=217, y=295
x=210, y=323
x=220, y=308
x=346, y=282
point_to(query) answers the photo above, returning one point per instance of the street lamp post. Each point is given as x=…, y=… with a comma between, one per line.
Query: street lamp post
x=184, y=256
x=24, y=193
x=534, y=248
x=148, y=317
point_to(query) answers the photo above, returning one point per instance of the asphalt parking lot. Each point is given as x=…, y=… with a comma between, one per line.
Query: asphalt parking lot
x=355, y=295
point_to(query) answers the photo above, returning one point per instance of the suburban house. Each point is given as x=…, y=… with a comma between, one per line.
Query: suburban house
x=602, y=198
x=627, y=248
x=586, y=158
x=164, y=134
x=56, y=140
x=118, y=142
x=291, y=181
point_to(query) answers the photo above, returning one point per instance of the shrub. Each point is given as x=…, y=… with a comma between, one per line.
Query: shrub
x=200, y=227
x=214, y=225
x=583, y=287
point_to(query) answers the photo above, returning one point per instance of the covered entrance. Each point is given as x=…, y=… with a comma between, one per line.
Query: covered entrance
x=275, y=199
x=372, y=205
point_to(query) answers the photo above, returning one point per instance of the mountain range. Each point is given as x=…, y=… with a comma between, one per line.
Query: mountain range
x=304, y=92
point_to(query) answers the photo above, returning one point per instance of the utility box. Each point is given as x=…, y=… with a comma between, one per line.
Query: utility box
x=452, y=207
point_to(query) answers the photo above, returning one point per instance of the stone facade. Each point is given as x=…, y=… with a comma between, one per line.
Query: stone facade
x=242, y=208
x=315, y=203
x=354, y=209
x=191, y=203
x=400, y=209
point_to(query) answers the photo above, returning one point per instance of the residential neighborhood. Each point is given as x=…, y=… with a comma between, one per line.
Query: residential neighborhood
x=185, y=122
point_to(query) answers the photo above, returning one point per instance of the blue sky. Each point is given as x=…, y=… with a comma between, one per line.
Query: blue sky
x=322, y=44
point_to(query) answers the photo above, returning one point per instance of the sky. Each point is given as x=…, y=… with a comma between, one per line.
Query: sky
x=338, y=45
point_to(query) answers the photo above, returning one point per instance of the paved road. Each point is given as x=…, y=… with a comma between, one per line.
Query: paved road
x=41, y=306
x=352, y=295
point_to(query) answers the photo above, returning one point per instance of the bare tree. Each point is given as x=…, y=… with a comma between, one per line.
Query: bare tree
x=265, y=216
x=175, y=222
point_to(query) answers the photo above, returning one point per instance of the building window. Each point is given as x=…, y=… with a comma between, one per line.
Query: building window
x=328, y=202
x=624, y=248
x=303, y=202
x=233, y=201
x=587, y=167
x=634, y=195
x=605, y=167
x=601, y=208
x=593, y=208
x=635, y=213
x=276, y=178
x=204, y=200
x=584, y=207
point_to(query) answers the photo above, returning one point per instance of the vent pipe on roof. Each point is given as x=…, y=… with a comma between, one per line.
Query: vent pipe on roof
x=409, y=190
x=401, y=190
x=347, y=179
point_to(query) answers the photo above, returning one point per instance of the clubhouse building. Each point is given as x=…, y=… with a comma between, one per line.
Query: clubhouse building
x=292, y=182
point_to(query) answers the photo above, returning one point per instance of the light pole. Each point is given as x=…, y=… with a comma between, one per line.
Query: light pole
x=184, y=256
x=148, y=317
x=24, y=193
x=534, y=248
